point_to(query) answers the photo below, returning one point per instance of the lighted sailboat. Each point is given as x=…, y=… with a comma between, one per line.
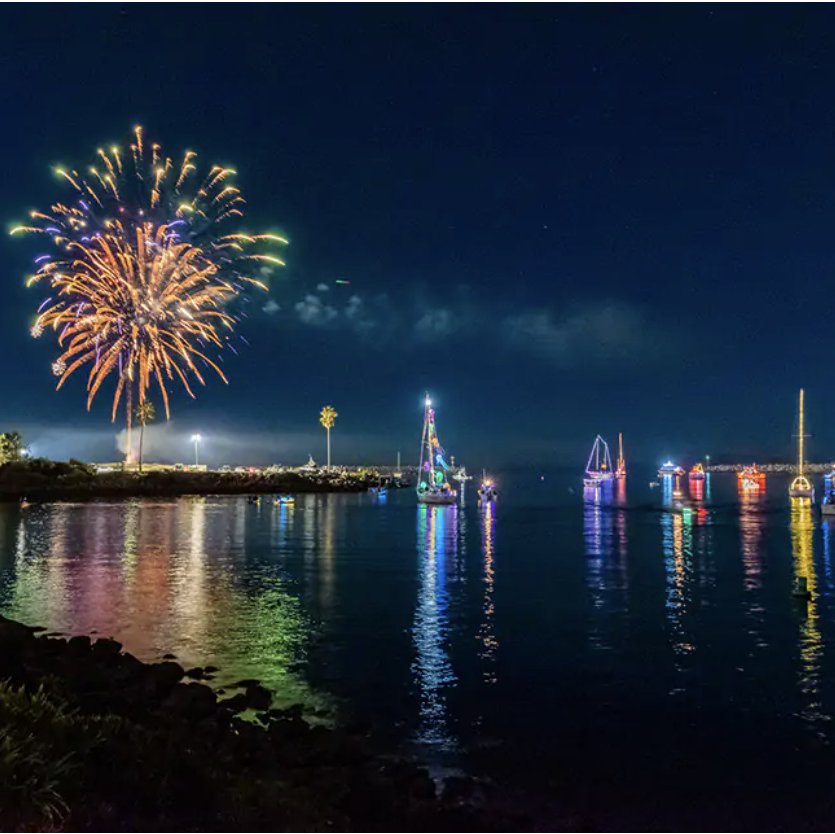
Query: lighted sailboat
x=599, y=465
x=433, y=486
x=620, y=468
x=800, y=486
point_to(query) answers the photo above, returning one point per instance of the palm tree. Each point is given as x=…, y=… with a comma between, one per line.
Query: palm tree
x=144, y=414
x=327, y=418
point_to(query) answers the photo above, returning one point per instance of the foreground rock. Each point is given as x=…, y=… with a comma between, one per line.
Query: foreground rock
x=93, y=739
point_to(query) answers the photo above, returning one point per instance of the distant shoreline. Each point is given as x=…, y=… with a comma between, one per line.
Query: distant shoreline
x=54, y=481
x=787, y=468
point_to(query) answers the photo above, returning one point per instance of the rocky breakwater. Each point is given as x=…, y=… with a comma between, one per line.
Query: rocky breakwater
x=91, y=738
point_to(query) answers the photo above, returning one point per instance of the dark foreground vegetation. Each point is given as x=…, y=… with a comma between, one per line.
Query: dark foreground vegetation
x=93, y=739
x=46, y=480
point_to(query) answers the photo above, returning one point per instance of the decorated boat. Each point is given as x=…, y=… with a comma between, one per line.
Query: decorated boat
x=750, y=479
x=801, y=487
x=620, y=466
x=487, y=491
x=599, y=465
x=668, y=469
x=433, y=486
x=697, y=473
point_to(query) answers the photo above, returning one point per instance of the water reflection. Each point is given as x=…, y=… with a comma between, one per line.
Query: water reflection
x=677, y=547
x=605, y=540
x=487, y=630
x=697, y=488
x=811, y=641
x=160, y=577
x=751, y=526
x=437, y=540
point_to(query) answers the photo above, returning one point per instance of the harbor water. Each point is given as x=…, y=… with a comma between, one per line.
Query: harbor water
x=633, y=661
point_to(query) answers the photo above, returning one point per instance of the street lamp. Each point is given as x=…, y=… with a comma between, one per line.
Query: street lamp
x=195, y=439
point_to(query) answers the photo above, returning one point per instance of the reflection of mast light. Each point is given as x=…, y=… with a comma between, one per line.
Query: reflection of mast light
x=811, y=641
x=432, y=667
x=486, y=633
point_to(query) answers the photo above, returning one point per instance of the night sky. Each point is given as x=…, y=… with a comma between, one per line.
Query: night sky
x=559, y=220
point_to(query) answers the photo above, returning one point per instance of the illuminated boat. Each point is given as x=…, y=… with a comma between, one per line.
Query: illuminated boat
x=697, y=473
x=800, y=487
x=750, y=479
x=669, y=469
x=433, y=486
x=285, y=499
x=828, y=503
x=599, y=465
x=487, y=491
x=620, y=467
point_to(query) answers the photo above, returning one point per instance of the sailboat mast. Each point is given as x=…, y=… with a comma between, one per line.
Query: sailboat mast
x=800, y=439
x=620, y=450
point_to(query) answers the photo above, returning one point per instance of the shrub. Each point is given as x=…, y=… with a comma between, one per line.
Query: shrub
x=42, y=747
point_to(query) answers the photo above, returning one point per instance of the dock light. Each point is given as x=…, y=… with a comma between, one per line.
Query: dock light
x=196, y=439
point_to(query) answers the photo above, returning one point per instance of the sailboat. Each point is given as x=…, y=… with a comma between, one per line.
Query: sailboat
x=433, y=486
x=800, y=486
x=620, y=468
x=599, y=465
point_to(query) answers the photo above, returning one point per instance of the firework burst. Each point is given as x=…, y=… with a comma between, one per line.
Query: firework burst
x=143, y=272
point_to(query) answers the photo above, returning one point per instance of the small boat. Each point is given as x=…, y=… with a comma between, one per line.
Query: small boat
x=253, y=499
x=800, y=487
x=828, y=503
x=668, y=469
x=654, y=485
x=620, y=466
x=380, y=490
x=697, y=473
x=750, y=479
x=487, y=491
x=285, y=499
x=432, y=486
x=599, y=465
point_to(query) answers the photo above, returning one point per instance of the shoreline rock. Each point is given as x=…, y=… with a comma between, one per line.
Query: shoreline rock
x=91, y=738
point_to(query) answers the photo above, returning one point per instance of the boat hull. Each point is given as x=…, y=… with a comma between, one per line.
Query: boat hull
x=436, y=498
x=828, y=509
x=802, y=493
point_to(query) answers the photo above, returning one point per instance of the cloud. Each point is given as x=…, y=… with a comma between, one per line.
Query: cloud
x=436, y=323
x=611, y=332
x=322, y=288
x=312, y=310
x=271, y=307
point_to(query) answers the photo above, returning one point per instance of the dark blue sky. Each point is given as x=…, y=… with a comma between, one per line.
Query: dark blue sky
x=561, y=220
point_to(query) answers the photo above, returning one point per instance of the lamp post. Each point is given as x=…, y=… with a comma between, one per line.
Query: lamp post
x=195, y=439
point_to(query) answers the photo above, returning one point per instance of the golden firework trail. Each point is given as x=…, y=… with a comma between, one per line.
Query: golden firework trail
x=142, y=272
